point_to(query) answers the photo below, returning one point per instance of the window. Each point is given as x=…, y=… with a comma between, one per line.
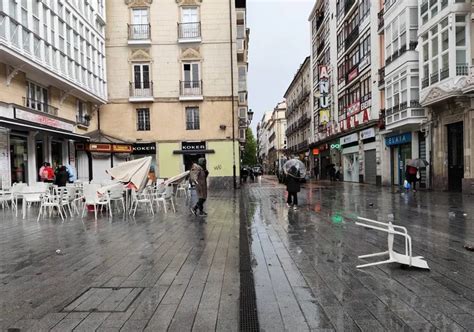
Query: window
x=140, y=23
x=141, y=76
x=143, y=119
x=189, y=15
x=81, y=111
x=191, y=72
x=36, y=97
x=192, y=118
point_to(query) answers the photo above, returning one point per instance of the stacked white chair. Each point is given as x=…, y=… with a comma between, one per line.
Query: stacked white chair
x=91, y=197
x=143, y=197
x=165, y=197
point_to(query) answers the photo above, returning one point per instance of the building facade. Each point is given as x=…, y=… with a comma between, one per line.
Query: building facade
x=52, y=81
x=277, y=134
x=345, y=99
x=404, y=136
x=445, y=57
x=298, y=112
x=177, y=82
x=263, y=134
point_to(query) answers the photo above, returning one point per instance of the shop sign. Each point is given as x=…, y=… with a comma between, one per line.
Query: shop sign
x=98, y=147
x=43, y=120
x=193, y=146
x=349, y=139
x=336, y=145
x=367, y=133
x=354, y=120
x=398, y=139
x=122, y=148
x=144, y=148
x=323, y=116
x=353, y=74
x=353, y=108
x=315, y=152
x=324, y=91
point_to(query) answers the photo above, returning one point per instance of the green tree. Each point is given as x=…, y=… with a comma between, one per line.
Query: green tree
x=250, y=149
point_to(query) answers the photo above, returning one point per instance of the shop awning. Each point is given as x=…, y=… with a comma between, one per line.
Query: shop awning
x=193, y=151
x=22, y=126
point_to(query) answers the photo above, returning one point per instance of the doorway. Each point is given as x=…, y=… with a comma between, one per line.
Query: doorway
x=56, y=154
x=190, y=159
x=39, y=157
x=455, y=156
x=19, y=159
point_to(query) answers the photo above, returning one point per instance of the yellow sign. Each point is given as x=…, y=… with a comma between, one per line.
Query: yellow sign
x=323, y=116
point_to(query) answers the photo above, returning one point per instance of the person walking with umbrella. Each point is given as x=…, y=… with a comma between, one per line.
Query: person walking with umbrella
x=198, y=176
x=412, y=172
x=293, y=187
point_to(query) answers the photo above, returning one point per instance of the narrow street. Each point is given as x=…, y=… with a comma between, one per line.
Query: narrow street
x=305, y=261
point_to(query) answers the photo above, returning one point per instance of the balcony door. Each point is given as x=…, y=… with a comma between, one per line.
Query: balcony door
x=192, y=81
x=37, y=97
x=140, y=23
x=141, y=77
x=455, y=156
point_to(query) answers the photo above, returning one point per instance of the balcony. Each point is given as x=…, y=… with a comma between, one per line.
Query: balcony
x=190, y=90
x=189, y=32
x=40, y=106
x=381, y=21
x=405, y=114
x=348, y=5
x=462, y=69
x=141, y=91
x=351, y=38
x=444, y=73
x=425, y=82
x=412, y=45
x=381, y=77
x=434, y=78
x=139, y=34
x=319, y=21
x=83, y=120
x=302, y=146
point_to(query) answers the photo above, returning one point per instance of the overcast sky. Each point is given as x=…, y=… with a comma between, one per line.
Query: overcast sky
x=279, y=43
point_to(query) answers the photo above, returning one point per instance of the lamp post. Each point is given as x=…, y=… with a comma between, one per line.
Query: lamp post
x=249, y=115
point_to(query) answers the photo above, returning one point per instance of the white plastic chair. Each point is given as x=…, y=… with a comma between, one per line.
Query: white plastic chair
x=393, y=257
x=116, y=195
x=51, y=201
x=165, y=197
x=91, y=197
x=141, y=198
x=183, y=187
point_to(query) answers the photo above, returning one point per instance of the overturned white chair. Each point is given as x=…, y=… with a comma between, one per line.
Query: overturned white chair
x=394, y=257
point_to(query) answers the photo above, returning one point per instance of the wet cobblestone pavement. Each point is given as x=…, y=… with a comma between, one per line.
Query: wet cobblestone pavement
x=305, y=261
x=178, y=272
x=171, y=272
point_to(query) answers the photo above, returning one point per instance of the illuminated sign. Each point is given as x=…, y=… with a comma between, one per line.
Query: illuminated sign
x=323, y=95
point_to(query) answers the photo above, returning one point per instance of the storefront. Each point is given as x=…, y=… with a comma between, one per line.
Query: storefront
x=350, y=153
x=324, y=161
x=400, y=150
x=95, y=158
x=29, y=138
x=141, y=150
x=175, y=157
x=367, y=139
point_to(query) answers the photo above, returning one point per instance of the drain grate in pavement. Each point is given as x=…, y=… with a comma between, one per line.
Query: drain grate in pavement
x=248, y=300
x=104, y=299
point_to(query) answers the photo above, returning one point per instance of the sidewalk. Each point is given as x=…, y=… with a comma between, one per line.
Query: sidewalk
x=168, y=272
x=304, y=261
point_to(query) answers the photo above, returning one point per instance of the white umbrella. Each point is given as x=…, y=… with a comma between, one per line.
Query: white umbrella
x=133, y=172
x=176, y=178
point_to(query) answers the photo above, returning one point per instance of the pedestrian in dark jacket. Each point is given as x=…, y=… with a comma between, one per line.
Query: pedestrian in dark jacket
x=198, y=176
x=292, y=187
x=61, y=176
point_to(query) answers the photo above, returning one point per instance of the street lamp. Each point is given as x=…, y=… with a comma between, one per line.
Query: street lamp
x=250, y=115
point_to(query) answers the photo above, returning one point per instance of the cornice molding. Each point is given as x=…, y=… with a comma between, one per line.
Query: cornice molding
x=451, y=88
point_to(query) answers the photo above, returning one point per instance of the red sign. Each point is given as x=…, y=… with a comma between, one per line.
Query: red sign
x=355, y=120
x=353, y=74
x=43, y=120
x=315, y=152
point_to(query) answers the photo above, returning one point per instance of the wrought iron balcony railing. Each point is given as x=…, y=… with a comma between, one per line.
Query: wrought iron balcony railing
x=190, y=88
x=141, y=89
x=139, y=31
x=189, y=30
